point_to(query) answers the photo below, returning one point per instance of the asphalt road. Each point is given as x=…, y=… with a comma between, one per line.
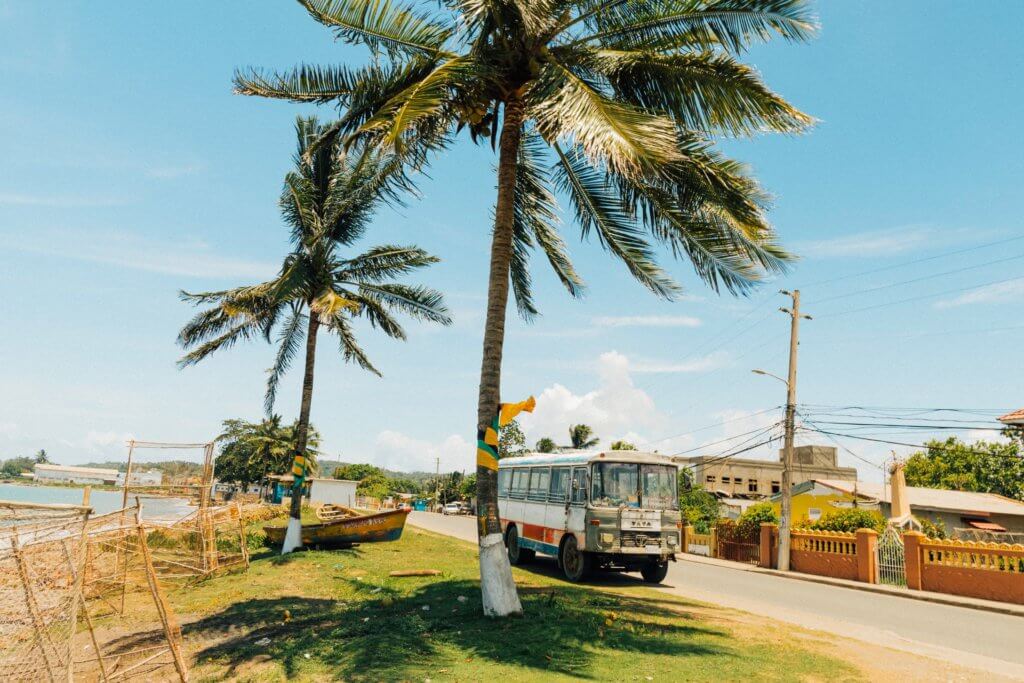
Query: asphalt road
x=972, y=638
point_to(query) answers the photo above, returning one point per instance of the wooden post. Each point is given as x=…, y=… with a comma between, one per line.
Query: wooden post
x=86, y=492
x=713, y=545
x=154, y=589
x=867, y=556
x=241, y=535
x=767, y=536
x=30, y=602
x=123, y=545
x=79, y=583
x=912, y=558
x=684, y=543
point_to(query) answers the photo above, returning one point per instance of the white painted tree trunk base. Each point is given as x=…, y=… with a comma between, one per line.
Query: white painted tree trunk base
x=497, y=588
x=292, y=537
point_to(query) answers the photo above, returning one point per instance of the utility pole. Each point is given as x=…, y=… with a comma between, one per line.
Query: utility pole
x=786, y=516
x=437, y=480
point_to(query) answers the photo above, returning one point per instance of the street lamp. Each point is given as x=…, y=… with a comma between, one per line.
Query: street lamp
x=768, y=374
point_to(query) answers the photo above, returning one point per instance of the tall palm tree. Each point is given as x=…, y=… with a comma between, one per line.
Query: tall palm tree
x=257, y=449
x=327, y=201
x=582, y=437
x=610, y=102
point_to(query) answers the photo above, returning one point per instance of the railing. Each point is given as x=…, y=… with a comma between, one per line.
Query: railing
x=748, y=553
x=991, y=571
x=826, y=553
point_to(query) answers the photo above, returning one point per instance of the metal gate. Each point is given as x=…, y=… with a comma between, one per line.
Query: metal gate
x=891, y=558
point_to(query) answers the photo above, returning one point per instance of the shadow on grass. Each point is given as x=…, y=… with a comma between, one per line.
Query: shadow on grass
x=383, y=636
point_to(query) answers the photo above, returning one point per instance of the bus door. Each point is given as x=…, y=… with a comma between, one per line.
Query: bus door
x=577, y=508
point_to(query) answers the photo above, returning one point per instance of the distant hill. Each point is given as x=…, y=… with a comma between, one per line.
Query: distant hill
x=327, y=467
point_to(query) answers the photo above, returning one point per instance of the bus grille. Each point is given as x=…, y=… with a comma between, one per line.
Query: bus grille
x=635, y=539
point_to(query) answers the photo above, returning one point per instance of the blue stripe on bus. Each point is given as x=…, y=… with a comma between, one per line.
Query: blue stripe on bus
x=540, y=547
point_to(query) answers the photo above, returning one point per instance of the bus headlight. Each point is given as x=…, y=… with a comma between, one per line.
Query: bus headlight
x=671, y=539
x=607, y=539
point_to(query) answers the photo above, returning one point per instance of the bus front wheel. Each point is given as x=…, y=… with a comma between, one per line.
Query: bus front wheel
x=576, y=564
x=516, y=553
x=654, y=572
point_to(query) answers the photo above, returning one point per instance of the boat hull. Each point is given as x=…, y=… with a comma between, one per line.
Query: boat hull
x=375, y=528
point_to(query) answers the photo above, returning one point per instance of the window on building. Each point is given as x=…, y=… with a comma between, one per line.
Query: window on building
x=776, y=487
x=738, y=480
x=752, y=486
x=725, y=480
x=710, y=479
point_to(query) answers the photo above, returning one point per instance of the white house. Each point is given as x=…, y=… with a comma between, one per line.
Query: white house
x=335, y=491
x=142, y=478
x=75, y=475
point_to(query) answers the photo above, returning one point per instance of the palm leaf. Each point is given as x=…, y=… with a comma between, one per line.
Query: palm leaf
x=305, y=83
x=416, y=301
x=289, y=340
x=379, y=23
x=349, y=345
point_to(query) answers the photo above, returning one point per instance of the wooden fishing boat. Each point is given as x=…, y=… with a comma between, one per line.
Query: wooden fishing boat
x=372, y=528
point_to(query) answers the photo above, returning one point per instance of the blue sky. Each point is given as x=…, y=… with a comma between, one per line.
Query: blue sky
x=130, y=171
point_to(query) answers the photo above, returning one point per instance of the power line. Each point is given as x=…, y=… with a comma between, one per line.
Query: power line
x=917, y=279
x=915, y=261
x=760, y=431
x=921, y=446
x=909, y=426
x=716, y=424
x=829, y=436
x=920, y=298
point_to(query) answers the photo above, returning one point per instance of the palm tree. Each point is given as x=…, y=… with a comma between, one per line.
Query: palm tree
x=252, y=450
x=327, y=201
x=545, y=445
x=582, y=437
x=610, y=102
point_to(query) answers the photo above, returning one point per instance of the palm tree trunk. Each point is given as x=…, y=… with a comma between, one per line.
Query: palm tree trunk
x=293, y=537
x=496, y=584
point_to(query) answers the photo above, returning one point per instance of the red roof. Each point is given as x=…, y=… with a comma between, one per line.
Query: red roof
x=987, y=526
x=1016, y=417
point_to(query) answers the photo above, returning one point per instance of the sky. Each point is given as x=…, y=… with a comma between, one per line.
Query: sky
x=129, y=171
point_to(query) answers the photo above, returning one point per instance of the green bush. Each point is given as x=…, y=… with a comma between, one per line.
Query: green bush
x=699, y=509
x=748, y=528
x=848, y=520
x=936, y=529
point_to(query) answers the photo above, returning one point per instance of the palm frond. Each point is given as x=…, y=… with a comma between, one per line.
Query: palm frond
x=598, y=206
x=289, y=341
x=706, y=91
x=380, y=23
x=624, y=137
x=349, y=345
x=416, y=301
x=304, y=83
x=384, y=262
x=673, y=24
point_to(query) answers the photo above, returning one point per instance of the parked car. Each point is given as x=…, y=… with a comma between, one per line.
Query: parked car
x=453, y=509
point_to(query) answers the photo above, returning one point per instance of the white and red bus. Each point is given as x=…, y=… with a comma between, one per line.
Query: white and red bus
x=613, y=510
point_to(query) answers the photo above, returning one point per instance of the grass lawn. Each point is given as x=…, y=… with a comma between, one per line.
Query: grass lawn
x=336, y=615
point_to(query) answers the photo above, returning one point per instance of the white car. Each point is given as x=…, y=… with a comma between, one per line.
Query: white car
x=452, y=509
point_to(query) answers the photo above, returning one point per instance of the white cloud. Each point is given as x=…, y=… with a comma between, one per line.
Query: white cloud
x=8, y=429
x=614, y=410
x=873, y=243
x=106, y=442
x=647, y=321
x=704, y=364
x=58, y=201
x=996, y=293
x=397, y=451
x=130, y=250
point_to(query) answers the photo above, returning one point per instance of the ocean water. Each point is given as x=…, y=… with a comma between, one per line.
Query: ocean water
x=153, y=509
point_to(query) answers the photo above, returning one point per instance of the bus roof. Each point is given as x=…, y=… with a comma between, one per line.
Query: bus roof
x=584, y=457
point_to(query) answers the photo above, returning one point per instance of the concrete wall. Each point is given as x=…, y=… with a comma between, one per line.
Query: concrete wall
x=814, y=462
x=334, y=491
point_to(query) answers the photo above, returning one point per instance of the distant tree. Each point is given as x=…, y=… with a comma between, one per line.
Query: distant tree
x=15, y=466
x=623, y=446
x=1015, y=433
x=699, y=508
x=984, y=466
x=252, y=450
x=511, y=441
x=546, y=445
x=582, y=437
x=41, y=457
x=357, y=471
x=467, y=489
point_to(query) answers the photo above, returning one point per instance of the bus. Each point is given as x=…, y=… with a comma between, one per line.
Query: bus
x=613, y=510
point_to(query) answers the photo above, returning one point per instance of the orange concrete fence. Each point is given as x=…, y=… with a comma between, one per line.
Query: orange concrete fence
x=824, y=553
x=991, y=571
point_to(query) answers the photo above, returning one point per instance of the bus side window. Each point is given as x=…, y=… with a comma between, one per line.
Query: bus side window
x=579, y=485
x=504, y=482
x=539, y=479
x=519, y=483
x=559, y=485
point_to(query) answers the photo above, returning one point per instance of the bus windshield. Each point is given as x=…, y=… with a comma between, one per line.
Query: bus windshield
x=651, y=486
